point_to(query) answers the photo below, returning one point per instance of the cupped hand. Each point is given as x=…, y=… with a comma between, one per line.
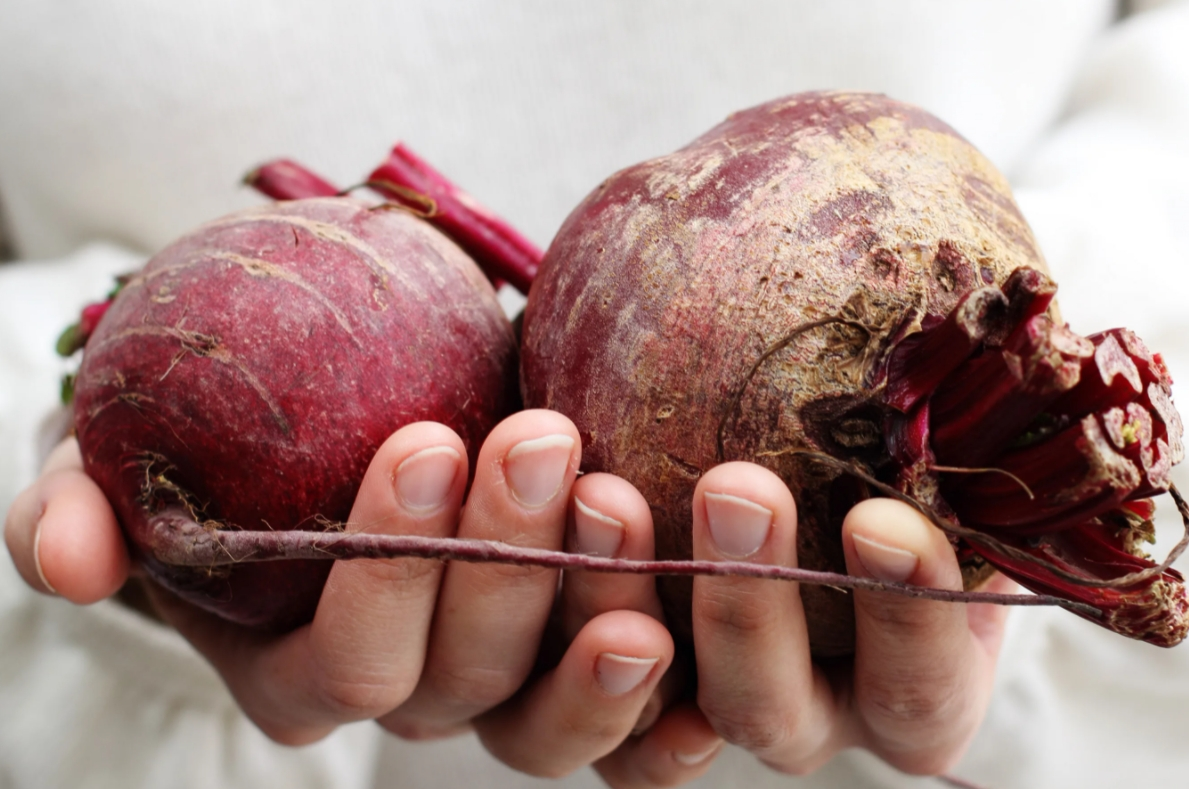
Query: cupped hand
x=914, y=693
x=429, y=652
x=921, y=677
x=425, y=648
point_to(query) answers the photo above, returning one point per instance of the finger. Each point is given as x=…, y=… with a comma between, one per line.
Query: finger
x=608, y=517
x=988, y=622
x=66, y=455
x=490, y=617
x=585, y=707
x=679, y=748
x=756, y=683
x=362, y=654
x=922, y=678
x=63, y=535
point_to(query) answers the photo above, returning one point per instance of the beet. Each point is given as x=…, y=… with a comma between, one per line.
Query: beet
x=814, y=275
x=249, y=373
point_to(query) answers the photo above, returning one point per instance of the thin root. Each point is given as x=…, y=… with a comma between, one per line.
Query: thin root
x=779, y=345
x=195, y=546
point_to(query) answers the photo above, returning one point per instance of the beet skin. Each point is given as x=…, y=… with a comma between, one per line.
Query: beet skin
x=669, y=282
x=251, y=370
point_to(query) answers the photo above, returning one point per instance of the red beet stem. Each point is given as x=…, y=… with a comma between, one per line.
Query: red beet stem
x=1151, y=365
x=495, y=245
x=1152, y=609
x=75, y=336
x=1070, y=478
x=182, y=541
x=1130, y=432
x=285, y=179
x=1029, y=293
x=1039, y=440
x=922, y=361
x=1109, y=376
x=990, y=400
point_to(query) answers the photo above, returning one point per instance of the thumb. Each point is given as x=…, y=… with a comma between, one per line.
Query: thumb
x=62, y=534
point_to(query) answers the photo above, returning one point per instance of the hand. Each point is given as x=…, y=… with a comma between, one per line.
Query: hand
x=653, y=747
x=423, y=649
x=922, y=672
x=914, y=694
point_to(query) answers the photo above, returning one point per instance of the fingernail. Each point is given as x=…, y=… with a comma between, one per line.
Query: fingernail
x=738, y=526
x=535, y=469
x=424, y=479
x=596, y=533
x=883, y=561
x=37, y=558
x=692, y=759
x=618, y=674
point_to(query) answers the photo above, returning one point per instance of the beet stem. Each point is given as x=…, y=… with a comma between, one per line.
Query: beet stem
x=990, y=400
x=1073, y=476
x=182, y=541
x=498, y=248
x=285, y=179
x=920, y=363
x=982, y=538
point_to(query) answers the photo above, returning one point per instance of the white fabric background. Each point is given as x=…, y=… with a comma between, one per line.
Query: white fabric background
x=125, y=122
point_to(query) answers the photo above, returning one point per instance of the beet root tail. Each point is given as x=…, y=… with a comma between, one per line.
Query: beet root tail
x=179, y=540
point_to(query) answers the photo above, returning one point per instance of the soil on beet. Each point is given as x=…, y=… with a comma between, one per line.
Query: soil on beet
x=852, y=212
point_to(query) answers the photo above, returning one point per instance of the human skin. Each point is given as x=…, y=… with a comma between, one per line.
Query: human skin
x=914, y=695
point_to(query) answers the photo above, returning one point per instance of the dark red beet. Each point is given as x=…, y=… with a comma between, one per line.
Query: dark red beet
x=248, y=374
x=812, y=275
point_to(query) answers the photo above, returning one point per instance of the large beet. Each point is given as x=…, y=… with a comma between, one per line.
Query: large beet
x=747, y=296
x=251, y=370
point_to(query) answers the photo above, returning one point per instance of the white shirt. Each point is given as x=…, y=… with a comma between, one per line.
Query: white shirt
x=124, y=123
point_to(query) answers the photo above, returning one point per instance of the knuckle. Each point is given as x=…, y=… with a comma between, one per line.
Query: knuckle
x=470, y=688
x=922, y=727
x=359, y=699
x=352, y=701
x=735, y=608
x=396, y=575
x=754, y=730
x=900, y=616
x=577, y=725
x=913, y=704
x=502, y=574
